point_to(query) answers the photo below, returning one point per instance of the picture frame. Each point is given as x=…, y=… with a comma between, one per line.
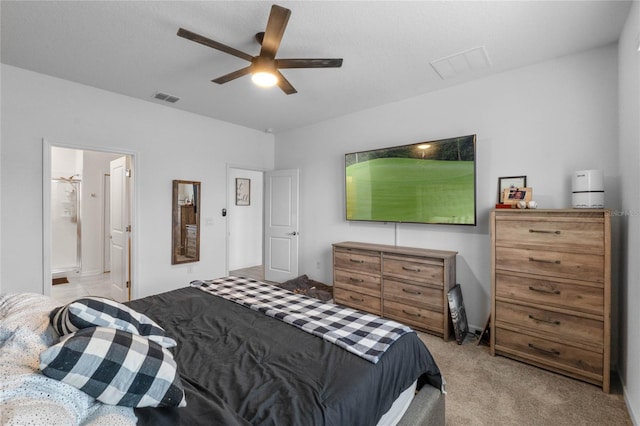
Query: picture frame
x=515, y=195
x=510, y=182
x=243, y=192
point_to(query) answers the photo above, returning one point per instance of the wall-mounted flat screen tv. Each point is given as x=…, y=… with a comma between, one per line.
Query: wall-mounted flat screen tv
x=425, y=182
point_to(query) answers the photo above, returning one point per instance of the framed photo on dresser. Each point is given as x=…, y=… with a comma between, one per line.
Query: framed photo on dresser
x=510, y=182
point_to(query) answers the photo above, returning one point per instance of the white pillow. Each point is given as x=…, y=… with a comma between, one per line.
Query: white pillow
x=26, y=396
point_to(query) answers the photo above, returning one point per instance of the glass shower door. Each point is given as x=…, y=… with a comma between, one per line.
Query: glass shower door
x=65, y=225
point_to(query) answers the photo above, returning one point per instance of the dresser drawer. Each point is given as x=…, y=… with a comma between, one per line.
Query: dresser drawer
x=579, y=266
x=413, y=316
x=548, y=291
x=413, y=295
x=190, y=250
x=417, y=270
x=357, y=300
x=355, y=260
x=567, y=327
x=554, y=354
x=559, y=235
x=355, y=281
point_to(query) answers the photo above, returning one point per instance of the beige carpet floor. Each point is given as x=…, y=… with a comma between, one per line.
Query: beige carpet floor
x=485, y=390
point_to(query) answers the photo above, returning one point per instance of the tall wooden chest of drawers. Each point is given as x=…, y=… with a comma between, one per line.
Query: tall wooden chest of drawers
x=406, y=284
x=551, y=290
x=191, y=241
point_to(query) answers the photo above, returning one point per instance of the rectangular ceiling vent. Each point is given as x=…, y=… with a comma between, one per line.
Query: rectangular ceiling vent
x=166, y=97
x=462, y=63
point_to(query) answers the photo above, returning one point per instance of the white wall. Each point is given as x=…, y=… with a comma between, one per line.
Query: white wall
x=245, y=222
x=1, y=251
x=66, y=163
x=94, y=166
x=629, y=89
x=167, y=143
x=543, y=121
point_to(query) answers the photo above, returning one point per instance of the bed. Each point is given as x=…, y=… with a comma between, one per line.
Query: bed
x=239, y=366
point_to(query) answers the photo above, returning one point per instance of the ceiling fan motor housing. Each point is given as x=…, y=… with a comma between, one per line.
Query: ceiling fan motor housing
x=263, y=64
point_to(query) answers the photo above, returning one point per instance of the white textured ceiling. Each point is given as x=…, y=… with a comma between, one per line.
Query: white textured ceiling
x=131, y=47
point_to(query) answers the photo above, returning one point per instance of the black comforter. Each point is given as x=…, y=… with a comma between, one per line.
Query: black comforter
x=240, y=367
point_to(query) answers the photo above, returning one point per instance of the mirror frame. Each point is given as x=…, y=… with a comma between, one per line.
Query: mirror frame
x=177, y=233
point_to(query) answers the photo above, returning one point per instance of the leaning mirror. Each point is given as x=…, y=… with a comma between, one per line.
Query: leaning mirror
x=186, y=222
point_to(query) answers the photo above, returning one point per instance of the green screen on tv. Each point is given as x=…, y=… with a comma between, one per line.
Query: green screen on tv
x=426, y=182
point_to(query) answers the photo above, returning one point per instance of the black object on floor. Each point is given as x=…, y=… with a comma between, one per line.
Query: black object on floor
x=458, y=313
x=308, y=287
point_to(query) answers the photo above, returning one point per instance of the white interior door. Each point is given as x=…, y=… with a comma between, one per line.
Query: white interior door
x=281, y=225
x=106, y=211
x=119, y=228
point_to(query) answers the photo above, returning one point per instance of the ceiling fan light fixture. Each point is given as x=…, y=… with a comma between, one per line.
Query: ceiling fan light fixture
x=264, y=72
x=264, y=79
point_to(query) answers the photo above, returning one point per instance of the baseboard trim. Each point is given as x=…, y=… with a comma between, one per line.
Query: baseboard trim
x=627, y=401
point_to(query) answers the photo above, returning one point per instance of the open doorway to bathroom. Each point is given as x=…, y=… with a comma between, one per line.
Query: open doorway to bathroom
x=245, y=221
x=89, y=226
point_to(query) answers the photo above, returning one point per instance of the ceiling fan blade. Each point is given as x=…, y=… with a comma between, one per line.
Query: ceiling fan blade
x=232, y=75
x=284, y=84
x=189, y=35
x=308, y=63
x=276, y=25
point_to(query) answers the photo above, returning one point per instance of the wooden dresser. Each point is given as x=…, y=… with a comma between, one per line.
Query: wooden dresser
x=551, y=290
x=409, y=285
x=191, y=241
x=187, y=217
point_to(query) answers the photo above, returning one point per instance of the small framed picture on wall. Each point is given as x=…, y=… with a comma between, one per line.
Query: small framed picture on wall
x=243, y=192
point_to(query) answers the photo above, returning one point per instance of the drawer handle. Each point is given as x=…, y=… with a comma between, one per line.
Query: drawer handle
x=411, y=291
x=410, y=269
x=413, y=314
x=356, y=261
x=356, y=299
x=356, y=280
x=554, y=322
x=543, y=231
x=533, y=259
x=546, y=351
x=544, y=290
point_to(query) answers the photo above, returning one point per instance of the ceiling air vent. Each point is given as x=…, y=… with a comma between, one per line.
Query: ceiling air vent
x=462, y=63
x=166, y=97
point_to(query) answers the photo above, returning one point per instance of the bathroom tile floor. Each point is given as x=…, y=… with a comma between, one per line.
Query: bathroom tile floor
x=77, y=287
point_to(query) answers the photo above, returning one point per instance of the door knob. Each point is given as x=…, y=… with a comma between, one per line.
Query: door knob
x=293, y=233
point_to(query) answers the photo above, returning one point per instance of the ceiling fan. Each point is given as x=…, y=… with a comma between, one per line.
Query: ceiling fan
x=264, y=67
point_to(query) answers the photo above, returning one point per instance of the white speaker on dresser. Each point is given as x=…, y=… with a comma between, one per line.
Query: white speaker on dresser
x=587, y=189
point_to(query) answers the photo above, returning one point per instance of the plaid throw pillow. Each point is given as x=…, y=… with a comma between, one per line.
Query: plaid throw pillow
x=116, y=368
x=100, y=312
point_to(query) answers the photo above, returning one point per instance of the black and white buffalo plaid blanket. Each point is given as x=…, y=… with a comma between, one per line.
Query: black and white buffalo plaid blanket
x=362, y=334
